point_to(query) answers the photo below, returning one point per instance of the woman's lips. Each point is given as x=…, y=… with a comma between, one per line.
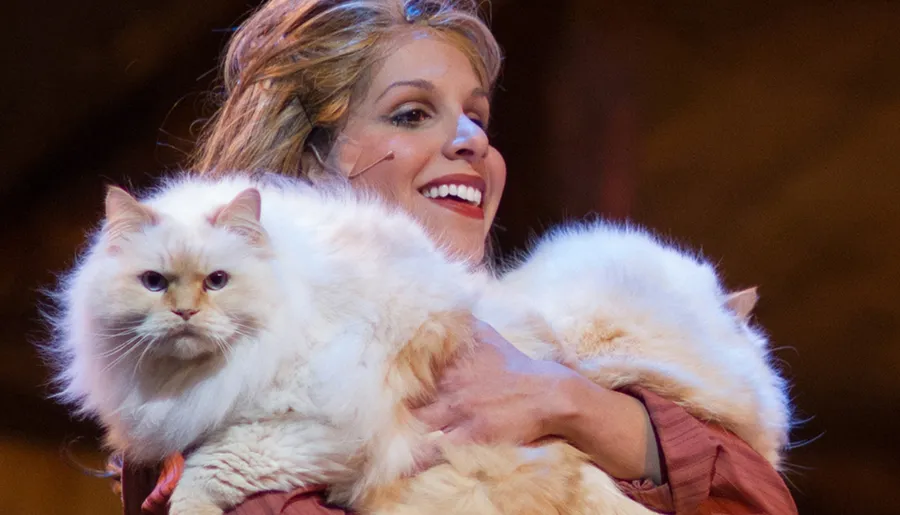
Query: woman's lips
x=461, y=207
x=475, y=186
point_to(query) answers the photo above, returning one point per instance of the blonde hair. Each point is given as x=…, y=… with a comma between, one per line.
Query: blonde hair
x=294, y=67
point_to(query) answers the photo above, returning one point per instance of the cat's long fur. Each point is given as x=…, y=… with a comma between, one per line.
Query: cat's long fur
x=638, y=312
x=340, y=312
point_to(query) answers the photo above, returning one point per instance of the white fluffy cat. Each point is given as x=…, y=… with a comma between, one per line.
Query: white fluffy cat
x=278, y=333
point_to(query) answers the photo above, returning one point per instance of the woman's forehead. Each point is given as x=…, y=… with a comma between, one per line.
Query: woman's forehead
x=423, y=59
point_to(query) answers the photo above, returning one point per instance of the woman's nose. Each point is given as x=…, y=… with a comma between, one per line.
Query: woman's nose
x=469, y=142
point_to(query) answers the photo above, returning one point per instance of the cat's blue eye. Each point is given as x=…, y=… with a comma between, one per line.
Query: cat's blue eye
x=154, y=281
x=216, y=280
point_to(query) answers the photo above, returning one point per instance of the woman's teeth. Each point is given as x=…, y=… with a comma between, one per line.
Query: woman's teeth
x=466, y=193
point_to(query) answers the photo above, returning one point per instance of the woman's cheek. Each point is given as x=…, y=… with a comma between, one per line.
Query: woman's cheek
x=496, y=171
x=411, y=155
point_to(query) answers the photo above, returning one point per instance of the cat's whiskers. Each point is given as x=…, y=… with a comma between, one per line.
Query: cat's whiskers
x=124, y=332
x=147, y=348
x=118, y=348
x=224, y=347
x=220, y=339
x=140, y=341
x=122, y=357
x=137, y=366
x=115, y=350
x=244, y=329
x=239, y=332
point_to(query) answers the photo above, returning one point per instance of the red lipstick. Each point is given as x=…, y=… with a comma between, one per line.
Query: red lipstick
x=456, y=204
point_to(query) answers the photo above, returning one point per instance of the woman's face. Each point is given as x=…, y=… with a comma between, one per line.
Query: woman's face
x=426, y=105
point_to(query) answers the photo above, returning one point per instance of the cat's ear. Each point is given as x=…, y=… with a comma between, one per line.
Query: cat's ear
x=124, y=214
x=241, y=216
x=742, y=302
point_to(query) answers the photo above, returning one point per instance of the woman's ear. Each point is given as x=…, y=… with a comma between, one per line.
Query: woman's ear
x=310, y=165
x=315, y=159
x=344, y=155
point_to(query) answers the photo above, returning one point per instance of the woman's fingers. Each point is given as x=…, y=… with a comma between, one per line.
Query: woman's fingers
x=459, y=435
x=430, y=453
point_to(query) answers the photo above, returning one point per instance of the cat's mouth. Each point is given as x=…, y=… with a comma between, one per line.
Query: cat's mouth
x=458, y=192
x=187, y=343
x=184, y=331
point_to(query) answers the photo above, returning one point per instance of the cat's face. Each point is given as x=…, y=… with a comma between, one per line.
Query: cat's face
x=184, y=289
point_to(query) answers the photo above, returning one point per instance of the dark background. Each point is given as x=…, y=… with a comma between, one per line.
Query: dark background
x=765, y=133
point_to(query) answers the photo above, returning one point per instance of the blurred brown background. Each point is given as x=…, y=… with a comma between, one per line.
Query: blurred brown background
x=767, y=133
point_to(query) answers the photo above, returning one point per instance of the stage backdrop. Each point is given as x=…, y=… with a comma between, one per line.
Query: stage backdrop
x=764, y=133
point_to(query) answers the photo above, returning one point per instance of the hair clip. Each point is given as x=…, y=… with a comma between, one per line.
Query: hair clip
x=413, y=12
x=416, y=13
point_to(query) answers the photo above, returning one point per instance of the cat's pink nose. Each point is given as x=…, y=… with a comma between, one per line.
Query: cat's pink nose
x=186, y=314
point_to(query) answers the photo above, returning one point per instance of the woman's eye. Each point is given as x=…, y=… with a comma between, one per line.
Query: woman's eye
x=154, y=281
x=479, y=122
x=410, y=118
x=216, y=280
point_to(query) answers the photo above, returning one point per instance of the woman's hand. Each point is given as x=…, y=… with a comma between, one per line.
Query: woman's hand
x=498, y=394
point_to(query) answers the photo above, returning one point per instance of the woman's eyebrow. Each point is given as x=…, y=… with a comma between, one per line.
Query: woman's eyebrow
x=479, y=92
x=429, y=86
x=416, y=83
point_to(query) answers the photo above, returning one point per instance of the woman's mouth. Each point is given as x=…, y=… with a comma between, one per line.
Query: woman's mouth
x=460, y=193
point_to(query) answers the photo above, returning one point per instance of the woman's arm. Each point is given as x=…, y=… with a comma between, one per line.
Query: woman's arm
x=708, y=469
x=613, y=428
x=672, y=462
x=499, y=393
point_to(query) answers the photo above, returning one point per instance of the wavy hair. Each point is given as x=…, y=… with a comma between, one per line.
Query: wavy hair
x=293, y=68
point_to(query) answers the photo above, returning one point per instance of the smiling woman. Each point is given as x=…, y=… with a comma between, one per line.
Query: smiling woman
x=359, y=81
x=427, y=107
x=394, y=96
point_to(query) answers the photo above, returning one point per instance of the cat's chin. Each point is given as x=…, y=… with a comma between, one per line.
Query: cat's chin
x=190, y=347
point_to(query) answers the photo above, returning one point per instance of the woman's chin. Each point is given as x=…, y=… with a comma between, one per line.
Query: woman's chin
x=463, y=243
